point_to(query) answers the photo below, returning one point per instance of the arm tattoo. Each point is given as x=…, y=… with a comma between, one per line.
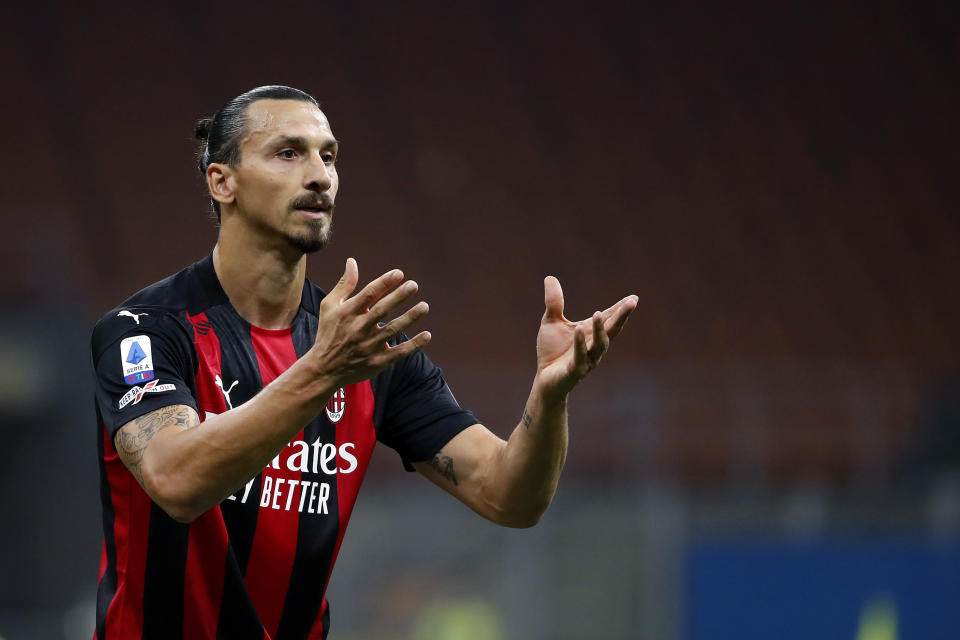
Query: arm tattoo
x=133, y=439
x=527, y=418
x=444, y=464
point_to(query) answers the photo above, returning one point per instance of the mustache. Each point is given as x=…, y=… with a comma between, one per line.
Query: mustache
x=321, y=201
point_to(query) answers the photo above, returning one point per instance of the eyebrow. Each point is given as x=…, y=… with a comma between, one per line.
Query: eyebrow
x=300, y=141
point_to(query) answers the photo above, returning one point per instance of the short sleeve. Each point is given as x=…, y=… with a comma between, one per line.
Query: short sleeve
x=140, y=366
x=420, y=414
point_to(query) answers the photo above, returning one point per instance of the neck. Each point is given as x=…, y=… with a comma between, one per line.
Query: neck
x=264, y=284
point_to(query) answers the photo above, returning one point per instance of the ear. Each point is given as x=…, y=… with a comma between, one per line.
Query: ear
x=221, y=183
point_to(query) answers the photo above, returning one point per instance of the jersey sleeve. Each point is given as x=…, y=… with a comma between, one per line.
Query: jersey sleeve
x=140, y=366
x=420, y=414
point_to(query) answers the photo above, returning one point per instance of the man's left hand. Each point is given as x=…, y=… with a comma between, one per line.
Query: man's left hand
x=567, y=351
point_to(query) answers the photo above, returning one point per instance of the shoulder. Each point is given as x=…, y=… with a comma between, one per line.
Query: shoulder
x=160, y=310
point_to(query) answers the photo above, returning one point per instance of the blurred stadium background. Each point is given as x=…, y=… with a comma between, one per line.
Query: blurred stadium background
x=772, y=448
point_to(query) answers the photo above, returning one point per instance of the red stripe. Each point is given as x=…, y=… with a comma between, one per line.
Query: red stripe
x=209, y=541
x=131, y=531
x=356, y=426
x=103, y=570
x=209, y=397
x=316, y=631
x=275, y=539
x=203, y=581
x=103, y=561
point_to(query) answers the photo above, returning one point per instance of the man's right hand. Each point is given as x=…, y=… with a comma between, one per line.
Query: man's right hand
x=353, y=332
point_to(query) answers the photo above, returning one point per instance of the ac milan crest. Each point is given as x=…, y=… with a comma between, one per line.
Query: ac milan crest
x=336, y=405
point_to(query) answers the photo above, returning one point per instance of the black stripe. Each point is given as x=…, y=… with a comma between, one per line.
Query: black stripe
x=163, y=578
x=317, y=533
x=241, y=522
x=238, y=361
x=238, y=617
x=107, y=588
x=304, y=332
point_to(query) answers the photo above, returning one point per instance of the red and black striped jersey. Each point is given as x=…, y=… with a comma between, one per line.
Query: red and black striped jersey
x=257, y=565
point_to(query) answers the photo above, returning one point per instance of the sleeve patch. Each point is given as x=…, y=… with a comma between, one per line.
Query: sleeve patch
x=135, y=395
x=136, y=358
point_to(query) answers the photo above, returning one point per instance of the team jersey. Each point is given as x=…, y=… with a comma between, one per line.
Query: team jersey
x=257, y=565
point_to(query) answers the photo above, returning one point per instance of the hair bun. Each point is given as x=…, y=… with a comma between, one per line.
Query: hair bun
x=202, y=130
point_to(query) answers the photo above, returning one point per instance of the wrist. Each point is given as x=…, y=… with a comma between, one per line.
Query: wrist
x=547, y=397
x=312, y=380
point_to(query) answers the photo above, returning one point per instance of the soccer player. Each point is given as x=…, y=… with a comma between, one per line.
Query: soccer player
x=238, y=404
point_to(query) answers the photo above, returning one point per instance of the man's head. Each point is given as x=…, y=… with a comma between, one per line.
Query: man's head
x=268, y=157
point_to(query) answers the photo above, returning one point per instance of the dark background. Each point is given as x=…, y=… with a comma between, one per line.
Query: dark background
x=778, y=184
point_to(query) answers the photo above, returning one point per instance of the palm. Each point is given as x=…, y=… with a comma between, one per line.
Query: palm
x=563, y=356
x=555, y=348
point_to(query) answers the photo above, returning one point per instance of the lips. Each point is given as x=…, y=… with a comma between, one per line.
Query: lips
x=313, y=212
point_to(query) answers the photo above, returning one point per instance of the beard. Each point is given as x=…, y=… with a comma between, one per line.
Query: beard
x=317, y=234
x=315, y=238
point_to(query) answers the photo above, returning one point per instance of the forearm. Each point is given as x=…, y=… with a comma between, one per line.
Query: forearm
x=512, y=483
x=527, y=469
x=190, y=471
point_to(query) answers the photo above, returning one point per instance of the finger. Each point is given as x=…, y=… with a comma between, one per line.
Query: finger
x=580, y=358
x=615, y=307
x=600, y=341
x=347, y=282
x=391, y=301
x=374, y=290
x=552, y=299
x=618, y=318
x=391, y=354
x=395, y=327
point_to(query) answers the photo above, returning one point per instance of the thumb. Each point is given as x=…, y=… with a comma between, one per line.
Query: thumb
x=552, y=299
x=348, y=281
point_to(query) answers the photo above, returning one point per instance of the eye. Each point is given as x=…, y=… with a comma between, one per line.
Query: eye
x=287, y=154
x=328, y=158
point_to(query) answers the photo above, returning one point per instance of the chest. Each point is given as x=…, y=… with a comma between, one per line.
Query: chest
x=330, y=454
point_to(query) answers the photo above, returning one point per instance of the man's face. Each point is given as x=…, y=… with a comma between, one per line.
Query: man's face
x=287, y=182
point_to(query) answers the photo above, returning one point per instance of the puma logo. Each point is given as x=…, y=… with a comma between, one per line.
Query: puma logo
x=135, y=316
x=225, y=392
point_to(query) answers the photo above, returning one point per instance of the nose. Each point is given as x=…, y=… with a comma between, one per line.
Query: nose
x=318, y=177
